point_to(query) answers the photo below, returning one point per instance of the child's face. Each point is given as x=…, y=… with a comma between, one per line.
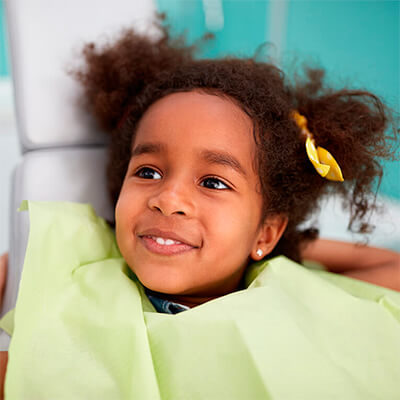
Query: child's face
x=190, y=182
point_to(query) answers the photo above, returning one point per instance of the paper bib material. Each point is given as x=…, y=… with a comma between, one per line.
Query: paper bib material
x=84, y=328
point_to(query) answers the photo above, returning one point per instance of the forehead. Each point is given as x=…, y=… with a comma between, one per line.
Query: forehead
x=195, y=119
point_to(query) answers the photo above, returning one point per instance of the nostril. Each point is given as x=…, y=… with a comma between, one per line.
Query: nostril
x=168, y=205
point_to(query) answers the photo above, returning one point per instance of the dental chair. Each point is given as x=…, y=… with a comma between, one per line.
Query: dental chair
x=63, y=151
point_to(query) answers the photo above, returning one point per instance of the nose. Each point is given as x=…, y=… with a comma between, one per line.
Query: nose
x=173, y=199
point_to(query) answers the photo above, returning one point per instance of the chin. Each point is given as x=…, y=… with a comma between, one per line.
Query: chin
x=162, y=284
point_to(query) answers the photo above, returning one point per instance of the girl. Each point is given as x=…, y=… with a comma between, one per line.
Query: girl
x=208, y=172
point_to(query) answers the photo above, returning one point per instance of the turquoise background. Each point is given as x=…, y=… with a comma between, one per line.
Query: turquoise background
x=357, y=42
x=4, y=68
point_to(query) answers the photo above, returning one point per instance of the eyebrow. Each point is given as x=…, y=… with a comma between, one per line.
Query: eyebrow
x=210, y=156
x=148, y=148
x=223, y=158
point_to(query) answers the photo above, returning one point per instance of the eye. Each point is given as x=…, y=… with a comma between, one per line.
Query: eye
x=148, y=173
x=214, y=183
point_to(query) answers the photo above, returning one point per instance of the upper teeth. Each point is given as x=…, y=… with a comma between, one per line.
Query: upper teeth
x=167, y=242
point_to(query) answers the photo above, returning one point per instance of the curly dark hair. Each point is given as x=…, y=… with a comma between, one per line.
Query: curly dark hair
x=123, y=78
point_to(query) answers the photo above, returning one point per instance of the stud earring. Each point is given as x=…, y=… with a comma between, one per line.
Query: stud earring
x=259, y=252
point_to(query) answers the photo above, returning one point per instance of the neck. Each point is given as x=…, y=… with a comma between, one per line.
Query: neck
x=193, y=300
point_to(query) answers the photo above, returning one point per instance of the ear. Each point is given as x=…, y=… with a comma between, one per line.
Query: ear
x=268, y=236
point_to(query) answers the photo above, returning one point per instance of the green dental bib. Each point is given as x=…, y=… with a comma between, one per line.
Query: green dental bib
x=84, y=328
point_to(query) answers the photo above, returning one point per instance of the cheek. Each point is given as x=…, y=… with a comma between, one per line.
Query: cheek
x=120, y=213
x=235, y=227
x=126, y=206
x=124, y=213
x=120, y=229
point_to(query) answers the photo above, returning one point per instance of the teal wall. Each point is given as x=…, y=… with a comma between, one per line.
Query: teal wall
x=4, y=70
x=243, y=31
x=357, y=42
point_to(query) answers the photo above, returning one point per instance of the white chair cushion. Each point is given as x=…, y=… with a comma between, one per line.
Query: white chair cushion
x=51, y=175
x=46, y=39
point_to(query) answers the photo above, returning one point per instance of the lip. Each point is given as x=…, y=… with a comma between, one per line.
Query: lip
x=168, y=235
x=165, y=250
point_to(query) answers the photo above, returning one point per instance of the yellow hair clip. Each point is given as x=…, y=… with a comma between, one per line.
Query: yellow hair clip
x=322, y=160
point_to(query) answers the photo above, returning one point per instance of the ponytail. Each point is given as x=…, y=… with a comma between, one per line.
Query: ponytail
x=360, y=131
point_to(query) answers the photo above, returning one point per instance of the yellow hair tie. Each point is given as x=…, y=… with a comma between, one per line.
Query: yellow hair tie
x=322, y=160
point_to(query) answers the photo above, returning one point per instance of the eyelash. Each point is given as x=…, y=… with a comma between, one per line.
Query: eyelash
x=138, y=173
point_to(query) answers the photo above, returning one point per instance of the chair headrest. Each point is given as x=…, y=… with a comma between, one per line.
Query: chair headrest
x=46, y=38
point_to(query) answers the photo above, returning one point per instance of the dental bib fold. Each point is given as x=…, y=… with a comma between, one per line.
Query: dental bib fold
x=84, y=328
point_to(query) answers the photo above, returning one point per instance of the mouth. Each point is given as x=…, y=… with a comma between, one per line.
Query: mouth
x=165, y=243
